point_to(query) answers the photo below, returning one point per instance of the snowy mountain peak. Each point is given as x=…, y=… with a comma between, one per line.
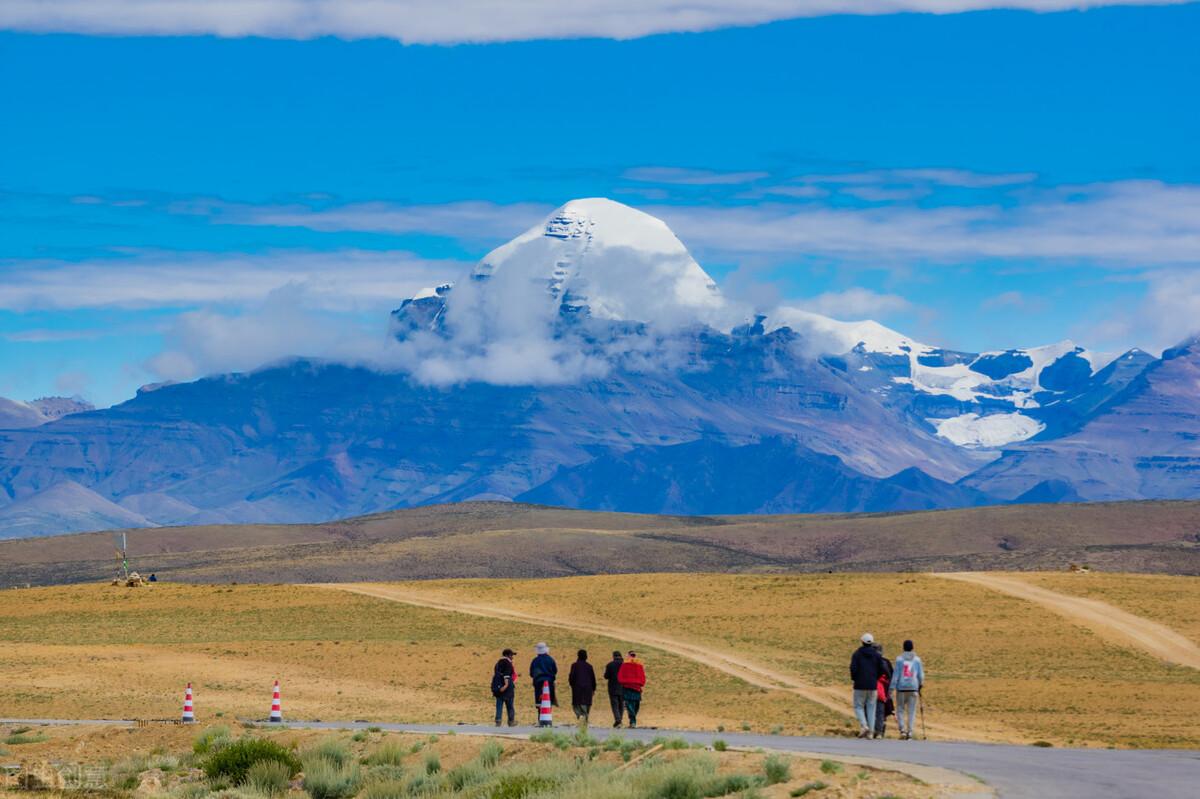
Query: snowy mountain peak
x=605, y=259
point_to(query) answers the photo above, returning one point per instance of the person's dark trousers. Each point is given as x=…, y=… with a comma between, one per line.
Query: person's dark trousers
x=633, y=702
x=880, y=718
x=618, y=708
x=505, y=702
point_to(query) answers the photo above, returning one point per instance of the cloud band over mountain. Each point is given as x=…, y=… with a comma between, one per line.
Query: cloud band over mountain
x=433, y=22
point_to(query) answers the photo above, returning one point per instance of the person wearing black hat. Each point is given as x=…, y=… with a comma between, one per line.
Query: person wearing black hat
x=504, y=687
x=616, y=696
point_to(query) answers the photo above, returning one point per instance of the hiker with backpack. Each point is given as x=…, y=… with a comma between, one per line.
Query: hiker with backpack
x=542, y=670
x=615, y=694
x=504, y=686
x=884, y=706
x=908, y=678
x=865, y=667
x=582, y=680
x=632, y=676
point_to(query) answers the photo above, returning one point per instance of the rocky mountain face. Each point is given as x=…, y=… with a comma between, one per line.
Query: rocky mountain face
x=591, y=362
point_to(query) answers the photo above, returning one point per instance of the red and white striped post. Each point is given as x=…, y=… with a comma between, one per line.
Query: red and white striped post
x=545, y=712
x=276, y=711
x=188, y=715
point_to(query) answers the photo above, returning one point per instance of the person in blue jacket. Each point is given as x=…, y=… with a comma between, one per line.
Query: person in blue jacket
x=543, y=669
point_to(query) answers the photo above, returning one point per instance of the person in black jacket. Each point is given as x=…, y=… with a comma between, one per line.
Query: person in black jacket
x=542, y=670
x=865, y=667
x=583, y=687
x=504, y=686
x=616, y=696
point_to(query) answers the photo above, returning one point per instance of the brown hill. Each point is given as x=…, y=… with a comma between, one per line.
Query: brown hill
x=493, y=539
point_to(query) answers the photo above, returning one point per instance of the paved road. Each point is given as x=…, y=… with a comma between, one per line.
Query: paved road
x=1015, y=772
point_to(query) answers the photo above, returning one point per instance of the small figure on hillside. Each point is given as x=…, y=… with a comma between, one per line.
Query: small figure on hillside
x=884, y=706
x=907, y=680
x=153, y=578
x=543, y=669
x=632, y=676
x=504, y=687
x=583, y=687
x=615, y=693
x=865, y=667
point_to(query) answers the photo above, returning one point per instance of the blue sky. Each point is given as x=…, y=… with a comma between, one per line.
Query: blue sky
x=178, y=204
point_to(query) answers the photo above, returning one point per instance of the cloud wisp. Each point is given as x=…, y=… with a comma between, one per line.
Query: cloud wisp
x=341, y=280
x=434, y=22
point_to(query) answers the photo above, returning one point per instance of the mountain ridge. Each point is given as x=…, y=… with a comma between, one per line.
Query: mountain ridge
x=576, y=363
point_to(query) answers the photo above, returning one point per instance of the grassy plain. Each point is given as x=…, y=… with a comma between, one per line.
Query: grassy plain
x=1173, y=601
x=1000, y=668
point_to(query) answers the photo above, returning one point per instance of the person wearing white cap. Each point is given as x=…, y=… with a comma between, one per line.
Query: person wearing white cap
x=542, y=670
x=865, y=667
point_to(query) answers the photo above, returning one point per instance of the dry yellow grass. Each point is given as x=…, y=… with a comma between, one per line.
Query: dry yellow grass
x=1000, y=668
x=1173, y=601
x=98, y=652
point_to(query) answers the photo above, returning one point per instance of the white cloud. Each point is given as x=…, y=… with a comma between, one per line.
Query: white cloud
x=434, y=21
x=465, y=221
x=285, y=323
x=855, y=303
x=691, y=177
x=1168, y=313
x=341, y=280
x=1119, y=224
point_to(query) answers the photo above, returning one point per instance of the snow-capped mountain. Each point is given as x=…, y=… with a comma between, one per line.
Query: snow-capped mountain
x=592, y=362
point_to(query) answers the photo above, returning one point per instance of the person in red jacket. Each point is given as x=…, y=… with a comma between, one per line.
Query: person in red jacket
x=632, y=676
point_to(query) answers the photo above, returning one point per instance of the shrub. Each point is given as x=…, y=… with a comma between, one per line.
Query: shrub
x=361, y=735
x=490, y=754
x=559, y=740
x=324, y=779
x=268, y=777
x=374, y=729
x=234, y=760
x=211, y=739
x=18, y=738
x=387, y=754
x=433, y=763
x=1043, y=744
x=731, y=783
x=830, y=767
x=330, y=749
x=423, y=785
x=670, y=743
x=384, y=773
x=807, y=788
x=466, y=775
x=777, y=730
x=518, y=785
x=777, y=768
x=387, y=789
x=720, y=745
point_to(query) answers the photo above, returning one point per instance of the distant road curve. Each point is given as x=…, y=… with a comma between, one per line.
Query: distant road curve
x=746, y=670
x=1108, y=622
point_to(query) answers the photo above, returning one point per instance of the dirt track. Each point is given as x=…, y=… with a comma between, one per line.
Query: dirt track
x=1110, y=623
x=755, y=674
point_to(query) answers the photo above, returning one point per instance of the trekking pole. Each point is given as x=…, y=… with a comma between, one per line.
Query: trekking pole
x=921, y=707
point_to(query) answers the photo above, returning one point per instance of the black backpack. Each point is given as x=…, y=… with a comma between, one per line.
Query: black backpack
x=498, y=683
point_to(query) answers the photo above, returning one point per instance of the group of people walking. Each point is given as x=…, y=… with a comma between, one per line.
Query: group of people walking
x=877, y=681
x=625, y=678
